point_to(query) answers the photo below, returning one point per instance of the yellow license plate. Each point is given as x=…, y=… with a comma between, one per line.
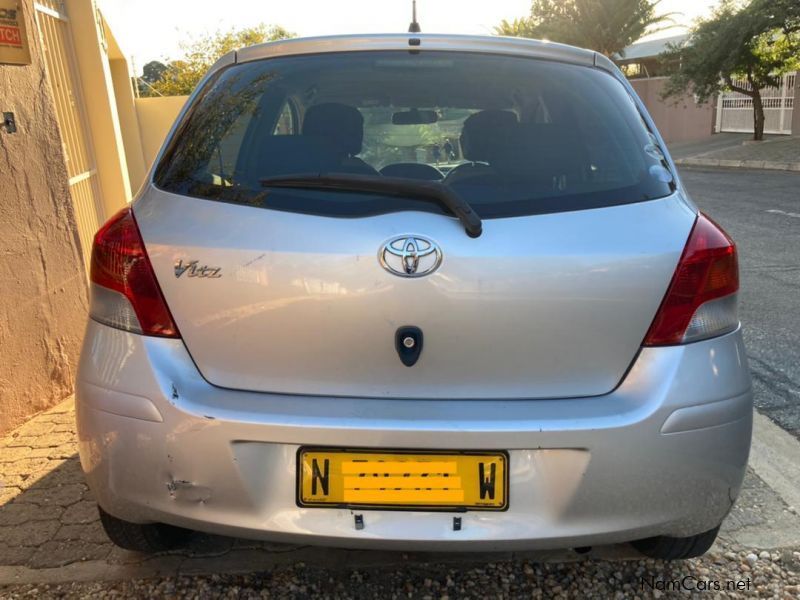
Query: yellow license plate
x=387, y=479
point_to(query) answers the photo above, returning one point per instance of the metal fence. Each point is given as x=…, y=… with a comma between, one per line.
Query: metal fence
x=735, y=110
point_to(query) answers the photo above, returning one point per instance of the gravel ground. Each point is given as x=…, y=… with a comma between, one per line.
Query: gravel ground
x=719, y=574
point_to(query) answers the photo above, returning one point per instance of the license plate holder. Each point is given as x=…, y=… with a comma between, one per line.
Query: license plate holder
x=449, y=480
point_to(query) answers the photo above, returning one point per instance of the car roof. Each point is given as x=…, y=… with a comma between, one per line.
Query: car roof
x=419, y=42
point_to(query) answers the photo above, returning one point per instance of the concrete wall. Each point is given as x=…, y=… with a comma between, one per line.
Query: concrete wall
x=156, y=116
x=43, y=302
x=122, y=82
x=679, y=121
x=91, y=53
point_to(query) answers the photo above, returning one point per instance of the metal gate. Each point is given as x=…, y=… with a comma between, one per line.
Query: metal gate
x=62, y=71
x=735, y=110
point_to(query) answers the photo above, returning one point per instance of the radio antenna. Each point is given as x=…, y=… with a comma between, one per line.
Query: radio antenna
x=414, y=26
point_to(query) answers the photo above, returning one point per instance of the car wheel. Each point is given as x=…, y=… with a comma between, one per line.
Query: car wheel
x=675, y=548
x=150, y=537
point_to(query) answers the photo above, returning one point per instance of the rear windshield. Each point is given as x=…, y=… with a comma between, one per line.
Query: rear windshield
x=511, y=135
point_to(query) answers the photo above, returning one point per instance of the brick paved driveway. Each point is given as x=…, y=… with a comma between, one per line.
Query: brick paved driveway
x=47, y=515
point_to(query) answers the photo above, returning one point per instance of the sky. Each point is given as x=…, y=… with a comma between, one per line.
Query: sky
x=151, y=29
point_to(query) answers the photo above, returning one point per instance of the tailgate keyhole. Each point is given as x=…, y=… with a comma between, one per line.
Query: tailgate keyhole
x=408, y=343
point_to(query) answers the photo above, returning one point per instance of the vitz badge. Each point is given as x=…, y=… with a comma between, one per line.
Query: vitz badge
x=192, y=269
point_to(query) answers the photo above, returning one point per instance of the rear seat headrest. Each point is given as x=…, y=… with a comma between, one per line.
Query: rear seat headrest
x=342, y=126
x=483, y=131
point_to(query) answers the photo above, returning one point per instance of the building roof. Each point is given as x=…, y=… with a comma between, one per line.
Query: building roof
x=649, y=49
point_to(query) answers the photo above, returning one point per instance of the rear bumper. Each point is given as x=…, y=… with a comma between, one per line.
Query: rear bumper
x=665, y=453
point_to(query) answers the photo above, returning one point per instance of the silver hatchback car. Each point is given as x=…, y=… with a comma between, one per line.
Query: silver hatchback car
x=415, y=291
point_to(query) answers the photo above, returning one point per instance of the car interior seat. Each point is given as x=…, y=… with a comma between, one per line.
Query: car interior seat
x=341, y=127
x=481, y=136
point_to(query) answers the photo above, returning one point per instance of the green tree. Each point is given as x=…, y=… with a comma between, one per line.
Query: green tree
x=181, y=76
x=523, y=27
x=151, y=73
x=756, y=44
x=607, y=26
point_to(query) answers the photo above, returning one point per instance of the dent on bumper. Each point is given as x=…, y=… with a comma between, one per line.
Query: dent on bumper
x=664, y=453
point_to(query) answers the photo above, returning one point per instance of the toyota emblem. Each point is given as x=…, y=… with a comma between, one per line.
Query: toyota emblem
x=410, y=256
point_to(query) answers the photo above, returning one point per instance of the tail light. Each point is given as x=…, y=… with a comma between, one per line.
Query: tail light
x=124, y=290
x=701, y=300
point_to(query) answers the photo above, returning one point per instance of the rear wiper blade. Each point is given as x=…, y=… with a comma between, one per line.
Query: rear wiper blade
x=388, y=186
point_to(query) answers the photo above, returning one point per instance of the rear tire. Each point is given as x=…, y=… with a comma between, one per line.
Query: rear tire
x=674, y=548
x=149, y=538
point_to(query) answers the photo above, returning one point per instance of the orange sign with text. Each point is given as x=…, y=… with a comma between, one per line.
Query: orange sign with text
x=13, y=37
